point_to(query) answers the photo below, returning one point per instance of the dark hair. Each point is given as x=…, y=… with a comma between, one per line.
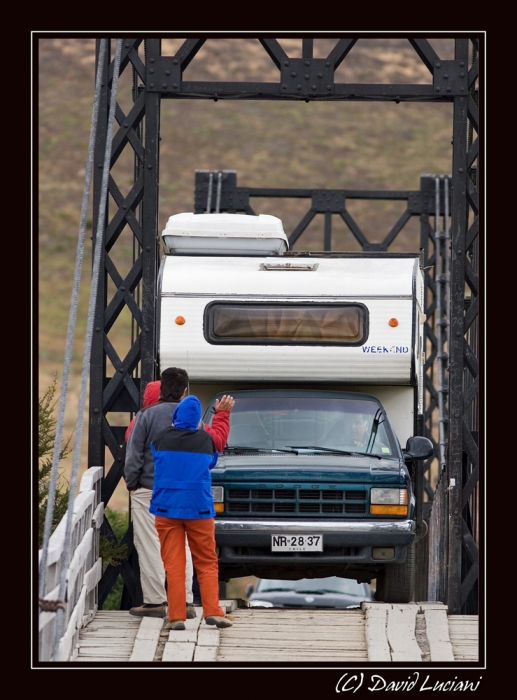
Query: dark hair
x=174, y=381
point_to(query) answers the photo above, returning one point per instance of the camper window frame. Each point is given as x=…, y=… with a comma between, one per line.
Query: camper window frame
x=210, y=337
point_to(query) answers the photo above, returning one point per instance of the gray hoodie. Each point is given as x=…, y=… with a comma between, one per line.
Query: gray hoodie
x=139, y=466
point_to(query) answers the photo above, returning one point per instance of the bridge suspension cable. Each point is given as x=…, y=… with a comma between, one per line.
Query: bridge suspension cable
x=49, y=515
x=98, y=240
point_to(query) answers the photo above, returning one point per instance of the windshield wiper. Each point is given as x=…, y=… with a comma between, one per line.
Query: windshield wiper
x=240, y=448
x=335, y=451
x=369, y=454
x=325, y=449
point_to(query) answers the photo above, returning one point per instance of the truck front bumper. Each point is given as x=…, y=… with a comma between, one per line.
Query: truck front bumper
x=351, y=541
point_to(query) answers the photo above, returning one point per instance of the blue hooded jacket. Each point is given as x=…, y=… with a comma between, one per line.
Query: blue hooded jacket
x=183, y=457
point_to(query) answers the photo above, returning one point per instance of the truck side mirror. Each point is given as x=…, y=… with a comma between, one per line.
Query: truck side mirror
x=249, y=590
x=418, y=447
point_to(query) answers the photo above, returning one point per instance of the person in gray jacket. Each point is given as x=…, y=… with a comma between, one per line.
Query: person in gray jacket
x=139, y=476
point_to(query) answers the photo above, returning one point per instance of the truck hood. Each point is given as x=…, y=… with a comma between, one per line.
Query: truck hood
x=307, y=468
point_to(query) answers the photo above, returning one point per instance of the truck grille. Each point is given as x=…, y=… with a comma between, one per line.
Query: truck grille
x=296, y=501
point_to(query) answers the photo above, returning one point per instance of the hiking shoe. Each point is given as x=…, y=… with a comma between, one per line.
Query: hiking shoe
x=191, y=612
x=150, y=610
x=218, y=621
x=174, y=625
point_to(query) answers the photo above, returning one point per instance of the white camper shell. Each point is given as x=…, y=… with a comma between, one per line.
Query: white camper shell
x=366, y=310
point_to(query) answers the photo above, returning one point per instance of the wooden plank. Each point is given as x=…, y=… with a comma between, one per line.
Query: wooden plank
x=193, y=624
x=106, y=641
x=287, y=635
x=279, y=645
x=104, y=659
x=46, y=617
x=114, y=648
x=127, y=623
x=143, y=650
x=150, y=628
x=375, y=632
x=267, y=634
x=401, y=633
x=110, y=636
x=205, y=653
x=431, y=605
x=289, y=621
x=464, y=636
x=90, y=659
x=93, y=576
x=208, y=637
x=66, y=643
x=57, y=540
x=101, y=655
x=182, y=636
x=293, y=657
x=103, y=634
x=178, y=651
x=437, y=632
x=98, y=516
x=113, y=626
x=90, y=477
x=147, y=637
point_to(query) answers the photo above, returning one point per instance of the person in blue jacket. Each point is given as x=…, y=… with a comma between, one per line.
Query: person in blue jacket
x=182, y=503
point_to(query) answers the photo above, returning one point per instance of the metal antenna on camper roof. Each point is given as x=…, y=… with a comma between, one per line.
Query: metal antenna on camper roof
x=209, y=199
x=219, y=187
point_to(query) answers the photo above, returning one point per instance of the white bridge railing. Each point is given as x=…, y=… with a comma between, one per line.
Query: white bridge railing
x=83, y=574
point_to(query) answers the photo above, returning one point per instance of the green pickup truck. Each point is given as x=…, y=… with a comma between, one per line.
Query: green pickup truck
x=313, y=484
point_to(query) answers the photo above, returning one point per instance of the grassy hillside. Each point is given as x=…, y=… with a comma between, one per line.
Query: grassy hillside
x=314, y=145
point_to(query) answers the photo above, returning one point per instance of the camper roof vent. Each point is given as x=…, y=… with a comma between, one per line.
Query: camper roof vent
x=224, y=234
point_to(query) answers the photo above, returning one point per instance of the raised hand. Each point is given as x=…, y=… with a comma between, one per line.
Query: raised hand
x=225, y=404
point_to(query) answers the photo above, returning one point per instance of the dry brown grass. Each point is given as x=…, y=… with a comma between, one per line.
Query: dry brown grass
x=274, y=144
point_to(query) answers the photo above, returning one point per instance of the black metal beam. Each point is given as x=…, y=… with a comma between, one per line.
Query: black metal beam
x=459, y=225
x=426, y=52
x=162, y=78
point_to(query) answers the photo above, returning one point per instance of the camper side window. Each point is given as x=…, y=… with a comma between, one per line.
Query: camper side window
x=286, y=324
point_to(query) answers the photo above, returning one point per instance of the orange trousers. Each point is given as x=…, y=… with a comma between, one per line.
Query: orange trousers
x=201, y=539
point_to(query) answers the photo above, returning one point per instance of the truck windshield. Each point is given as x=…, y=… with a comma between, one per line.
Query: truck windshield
x=307, y=422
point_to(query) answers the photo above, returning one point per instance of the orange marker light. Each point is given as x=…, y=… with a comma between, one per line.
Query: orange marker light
x=392, y=322
x=180, y=320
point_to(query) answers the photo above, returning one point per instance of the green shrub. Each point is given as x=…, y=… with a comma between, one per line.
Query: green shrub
x=113, y=553
x=46, y=441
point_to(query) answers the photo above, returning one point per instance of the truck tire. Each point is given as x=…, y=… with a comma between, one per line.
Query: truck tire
x=397, y=582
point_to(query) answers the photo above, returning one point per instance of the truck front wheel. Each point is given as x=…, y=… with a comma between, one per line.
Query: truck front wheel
x=396, y=583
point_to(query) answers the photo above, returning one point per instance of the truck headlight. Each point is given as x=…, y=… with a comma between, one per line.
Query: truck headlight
x=218, y=496
x=388, y=501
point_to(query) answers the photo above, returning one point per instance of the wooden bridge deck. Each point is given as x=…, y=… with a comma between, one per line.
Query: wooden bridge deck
x=416, y=633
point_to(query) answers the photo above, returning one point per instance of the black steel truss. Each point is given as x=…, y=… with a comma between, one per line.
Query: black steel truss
x=157, y=77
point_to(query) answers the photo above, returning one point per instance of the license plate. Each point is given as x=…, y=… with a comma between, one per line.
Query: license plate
x=297, y=543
